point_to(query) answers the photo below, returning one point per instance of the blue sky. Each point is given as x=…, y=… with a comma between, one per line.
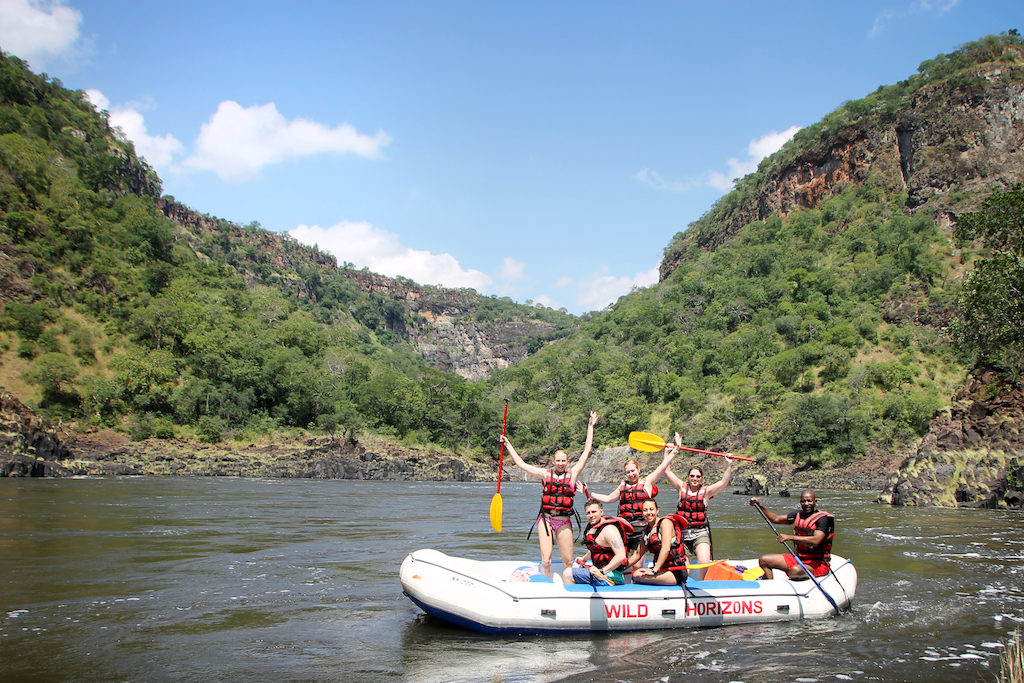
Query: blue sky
x=545, y=151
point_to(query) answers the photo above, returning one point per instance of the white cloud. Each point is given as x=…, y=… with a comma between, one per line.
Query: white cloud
x=563, y=281
x=363, y=244
x=238, y=141
x=916, y=7
x=770, y=143
x=158, y=150
x=512, y=270
x=98, y=99
x=545, y=300
x=600, y=289
x=757, y=150
x=654, y=179
x=38, y=30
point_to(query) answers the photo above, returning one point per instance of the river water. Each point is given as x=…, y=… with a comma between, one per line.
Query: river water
x=160, y=579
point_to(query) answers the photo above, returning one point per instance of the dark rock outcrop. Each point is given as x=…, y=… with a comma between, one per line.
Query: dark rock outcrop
x=756, y=485
x=972, y=455
x=29, y=446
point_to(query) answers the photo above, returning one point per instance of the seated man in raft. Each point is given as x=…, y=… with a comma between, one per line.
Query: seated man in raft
x=606, y=549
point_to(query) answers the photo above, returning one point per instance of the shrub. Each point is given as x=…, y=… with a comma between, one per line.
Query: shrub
x=209, y=429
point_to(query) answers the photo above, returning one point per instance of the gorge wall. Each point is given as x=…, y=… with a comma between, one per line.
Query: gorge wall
x=445, y=332
x=441, y=324
x=967, y=135
x=947, y=149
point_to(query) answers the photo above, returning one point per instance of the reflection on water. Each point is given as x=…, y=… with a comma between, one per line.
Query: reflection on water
x=234, y=579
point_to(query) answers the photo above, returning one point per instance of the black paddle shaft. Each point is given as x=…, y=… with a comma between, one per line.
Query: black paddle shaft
x=807, y=571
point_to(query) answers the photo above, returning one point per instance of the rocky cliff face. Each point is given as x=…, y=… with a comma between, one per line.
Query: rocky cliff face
x=438, y=322
x=445, y=332
x=967, y=135
x=972, y=455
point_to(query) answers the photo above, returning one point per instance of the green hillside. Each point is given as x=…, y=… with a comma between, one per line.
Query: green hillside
x=812, y=337
x=812, y=333
x=112, y=315
x=798, y=339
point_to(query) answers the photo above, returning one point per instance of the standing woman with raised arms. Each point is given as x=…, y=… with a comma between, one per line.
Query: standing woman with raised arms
x=554, y=523
x=633, y=491
x=694, y=495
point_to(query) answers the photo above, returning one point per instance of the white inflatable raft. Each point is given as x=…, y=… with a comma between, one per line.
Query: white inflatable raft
x=513, y=597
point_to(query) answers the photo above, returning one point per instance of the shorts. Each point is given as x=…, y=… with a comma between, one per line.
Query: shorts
x=695, y=537
x=583, y=575
x=817, y=567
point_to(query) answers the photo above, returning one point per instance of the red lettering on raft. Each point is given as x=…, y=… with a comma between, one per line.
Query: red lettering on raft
x=705, y=608
x=625, y=611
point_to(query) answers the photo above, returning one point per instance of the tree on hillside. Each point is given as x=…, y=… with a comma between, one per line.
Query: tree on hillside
x=990, y=328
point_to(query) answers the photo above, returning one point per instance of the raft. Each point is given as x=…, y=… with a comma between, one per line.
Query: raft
x=503, y=596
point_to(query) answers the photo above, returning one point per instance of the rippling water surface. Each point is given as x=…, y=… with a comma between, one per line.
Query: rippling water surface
x=245, y=579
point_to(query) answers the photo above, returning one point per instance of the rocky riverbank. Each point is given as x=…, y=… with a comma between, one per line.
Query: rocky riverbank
x=973, y=453
x=30, y=447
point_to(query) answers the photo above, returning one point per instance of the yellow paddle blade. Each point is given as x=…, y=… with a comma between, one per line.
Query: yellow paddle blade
x=699, y=566
x=645, y=441
x=753, y=574
x=496, y=512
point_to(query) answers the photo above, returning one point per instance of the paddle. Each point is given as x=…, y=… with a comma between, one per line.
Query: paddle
x=795, y=557
x=645, y=441
x=599, y=574
x=496, y=504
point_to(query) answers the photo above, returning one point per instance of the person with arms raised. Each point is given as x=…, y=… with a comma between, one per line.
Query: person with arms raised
x=694, y=495
x=632, y=492
x=554, y=524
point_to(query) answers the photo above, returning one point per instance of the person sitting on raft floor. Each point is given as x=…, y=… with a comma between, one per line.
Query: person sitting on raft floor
x=632, y=492
x=606, y=549
x=813, y=539
x=662, y=537
x=559, y=486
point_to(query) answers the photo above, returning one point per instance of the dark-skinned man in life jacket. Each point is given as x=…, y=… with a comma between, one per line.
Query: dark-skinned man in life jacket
x=813, y=539
x=632, y=492
x=606, y=549
x=554, y=524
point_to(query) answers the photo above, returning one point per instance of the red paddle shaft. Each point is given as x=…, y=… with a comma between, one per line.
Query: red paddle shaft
x=724, y=455
x=501, y=453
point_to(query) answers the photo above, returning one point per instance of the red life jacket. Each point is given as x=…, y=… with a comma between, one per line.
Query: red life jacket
x=806, y=526
x=600, y=555
x=631, y=499
x=652, y=539
x=693, y=507
x=556, y=497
